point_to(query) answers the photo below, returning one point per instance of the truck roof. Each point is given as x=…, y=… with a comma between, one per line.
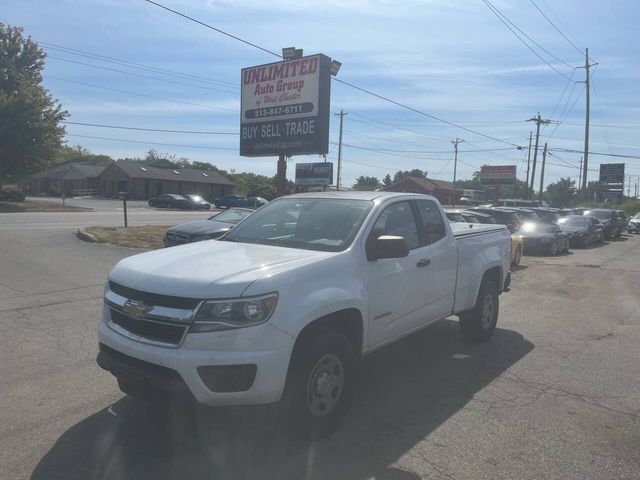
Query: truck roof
x=353, y=195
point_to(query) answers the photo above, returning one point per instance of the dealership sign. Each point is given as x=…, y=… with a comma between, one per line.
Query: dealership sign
x=285, y=108
x=492, y=175
x=314, y=173
x=612, y=173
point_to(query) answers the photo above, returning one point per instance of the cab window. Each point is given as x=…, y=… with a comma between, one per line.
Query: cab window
x=432, y=223
x=397, y=219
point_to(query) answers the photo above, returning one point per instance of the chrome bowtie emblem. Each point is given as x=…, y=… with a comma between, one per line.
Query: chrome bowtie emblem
x=135, y=309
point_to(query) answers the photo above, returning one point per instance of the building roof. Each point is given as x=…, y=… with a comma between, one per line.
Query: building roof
x=81, y=171
x=140, y=170
x=429, y=184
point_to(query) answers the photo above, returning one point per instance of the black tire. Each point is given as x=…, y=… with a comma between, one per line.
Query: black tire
x=321, y=373
x=479, y=324
x=518, y=256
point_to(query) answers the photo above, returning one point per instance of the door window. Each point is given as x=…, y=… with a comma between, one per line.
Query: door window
x=397, y=219
x=432, y=223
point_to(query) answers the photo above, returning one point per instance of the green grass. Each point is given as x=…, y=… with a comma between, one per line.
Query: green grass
x=36, y=206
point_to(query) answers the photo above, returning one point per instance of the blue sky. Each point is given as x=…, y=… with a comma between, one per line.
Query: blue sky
x=452, y=59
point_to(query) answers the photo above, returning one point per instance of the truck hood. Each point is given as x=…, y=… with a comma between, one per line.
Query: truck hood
x=209, y=269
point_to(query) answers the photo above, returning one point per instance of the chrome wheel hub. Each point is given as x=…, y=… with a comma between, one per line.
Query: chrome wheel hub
x=325, y=385
x=487, y=312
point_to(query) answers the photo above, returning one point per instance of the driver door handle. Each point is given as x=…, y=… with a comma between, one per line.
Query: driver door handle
x=423, y=262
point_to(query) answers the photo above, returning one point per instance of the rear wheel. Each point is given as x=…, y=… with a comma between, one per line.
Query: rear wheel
x=319, y=384
x=479, y=324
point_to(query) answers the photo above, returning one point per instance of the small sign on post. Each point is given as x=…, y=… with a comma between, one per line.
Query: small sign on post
x=314, y=174
x=123, y=195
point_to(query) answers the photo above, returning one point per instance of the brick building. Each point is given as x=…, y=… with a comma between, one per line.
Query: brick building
x=144, y=181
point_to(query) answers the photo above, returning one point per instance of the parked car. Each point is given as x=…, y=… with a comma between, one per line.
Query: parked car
x=454, y=215
x=571, y=211
x=610, y=222
x=298, y=303
x=196, y=202
x=169, y=200
x=229, y=201
x=634, y=224
x=503, y=217
x=527, y=215
x=622, y=219
x=582, y=230
x=544, y=238
x=256, y=202
x=546, y=215
x=209, y=229
x=474, y=216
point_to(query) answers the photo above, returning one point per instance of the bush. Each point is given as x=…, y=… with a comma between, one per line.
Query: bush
x=11, y=194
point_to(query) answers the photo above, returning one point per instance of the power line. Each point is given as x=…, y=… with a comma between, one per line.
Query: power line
x=568, y=150
x=420, y=112
x=151, y=143
x=213, y=28
x=499, y=15
x=138, y=94
x=134, y=65
x=139, y=75
x=489, y=4
x=580, y=51
x=415, y=110
x=120, y=127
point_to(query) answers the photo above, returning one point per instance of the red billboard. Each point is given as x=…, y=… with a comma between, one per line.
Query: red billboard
x=496, y=175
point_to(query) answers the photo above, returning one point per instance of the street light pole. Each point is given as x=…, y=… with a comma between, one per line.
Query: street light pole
x=455, y=168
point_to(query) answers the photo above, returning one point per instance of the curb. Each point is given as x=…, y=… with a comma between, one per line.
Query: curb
x=85, y=236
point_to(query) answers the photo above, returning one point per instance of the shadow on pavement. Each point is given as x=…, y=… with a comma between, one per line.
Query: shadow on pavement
x=405, y=392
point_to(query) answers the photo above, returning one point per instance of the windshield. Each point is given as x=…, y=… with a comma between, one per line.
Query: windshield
x=574, y=221
x=602, y=214
x=323, y=224
x=537, y=228
x=455, y=217
x=231, y=216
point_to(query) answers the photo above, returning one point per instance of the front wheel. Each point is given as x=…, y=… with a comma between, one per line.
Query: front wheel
x=319, y=385
x=479, y=324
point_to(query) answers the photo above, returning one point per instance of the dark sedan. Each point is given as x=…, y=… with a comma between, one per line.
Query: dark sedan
x=208, y=229
x=544, y=238
x=582, y=230
x=229, y=201
x=169, y=200
x=504, y=217
x=609, y=221
x=196, y=202
x=546, y=215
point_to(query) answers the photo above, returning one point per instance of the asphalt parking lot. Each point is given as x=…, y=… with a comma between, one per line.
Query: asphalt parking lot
x=554, y=395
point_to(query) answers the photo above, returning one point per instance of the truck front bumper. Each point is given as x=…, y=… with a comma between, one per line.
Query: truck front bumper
x=236, y=367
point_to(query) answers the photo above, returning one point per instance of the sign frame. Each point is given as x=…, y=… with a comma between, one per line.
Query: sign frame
x=287, y=125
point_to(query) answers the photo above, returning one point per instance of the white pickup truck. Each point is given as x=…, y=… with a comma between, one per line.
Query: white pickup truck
x=280, y=310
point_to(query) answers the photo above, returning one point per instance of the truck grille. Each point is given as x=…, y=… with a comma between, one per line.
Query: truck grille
x=155, y=331
x=154, y=298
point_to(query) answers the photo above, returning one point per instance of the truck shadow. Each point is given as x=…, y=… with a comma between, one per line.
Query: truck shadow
x=405, y=392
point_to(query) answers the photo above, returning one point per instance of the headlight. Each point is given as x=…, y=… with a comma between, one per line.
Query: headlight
x=237, y=313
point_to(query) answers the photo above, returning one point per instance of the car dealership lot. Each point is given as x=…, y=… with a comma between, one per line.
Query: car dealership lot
x=555, y=394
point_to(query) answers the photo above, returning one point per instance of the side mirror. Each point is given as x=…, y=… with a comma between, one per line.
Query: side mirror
x=390, y=246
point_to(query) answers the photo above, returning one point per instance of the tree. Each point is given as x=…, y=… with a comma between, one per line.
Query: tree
x=519, y=189
x=473, y=184
x=416, y=172
x=561, y=193
x=366, y=183
x=30, y=129
x=386, y=181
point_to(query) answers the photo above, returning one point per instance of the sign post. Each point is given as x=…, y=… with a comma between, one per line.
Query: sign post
x=285, y=110
x=611, y=182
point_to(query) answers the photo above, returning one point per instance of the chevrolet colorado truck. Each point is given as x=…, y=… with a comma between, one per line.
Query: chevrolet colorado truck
x=281, y=309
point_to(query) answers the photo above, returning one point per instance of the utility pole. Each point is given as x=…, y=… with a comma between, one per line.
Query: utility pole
x=455, y=168
x=586, y=122
x=629, y=187
x=341, y=115
x=538, y=121
x=544, y=159
x=580, y=175
x=529, y=157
